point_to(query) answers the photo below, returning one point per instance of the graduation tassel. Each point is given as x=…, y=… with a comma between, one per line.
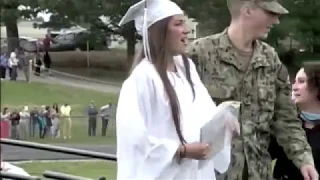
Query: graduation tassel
x=145, y=35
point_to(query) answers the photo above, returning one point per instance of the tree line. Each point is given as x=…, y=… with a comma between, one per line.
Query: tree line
x=301, y=26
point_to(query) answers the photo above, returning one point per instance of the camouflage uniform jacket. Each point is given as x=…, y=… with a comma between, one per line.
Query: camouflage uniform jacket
x=264, y=90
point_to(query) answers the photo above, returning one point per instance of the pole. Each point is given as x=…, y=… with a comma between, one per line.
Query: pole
x=88, y=55
x=17, y=176
x=59, y=149
x=29, y=70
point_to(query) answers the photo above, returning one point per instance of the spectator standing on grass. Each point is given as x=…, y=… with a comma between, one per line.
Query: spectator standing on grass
x=24, y=122
x=55, y=118
x=3, y=65
x=5, y=114
x=46, y=45
x=92, y=112
x=34, y=121
x=24, y=62
x=15, y=120
x=105, y=113
x=47, y=117
x=42, y=122
x=13, y=64
x=66, y=123
x=37, y=64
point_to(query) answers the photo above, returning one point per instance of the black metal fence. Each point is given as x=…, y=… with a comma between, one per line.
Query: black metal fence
x=46, y=147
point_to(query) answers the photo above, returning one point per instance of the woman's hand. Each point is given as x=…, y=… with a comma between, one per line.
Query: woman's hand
x=198, y=151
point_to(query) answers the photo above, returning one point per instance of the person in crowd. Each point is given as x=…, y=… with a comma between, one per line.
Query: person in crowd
x=5, y=114
x=48, y=118
x=55, y=117
x=34, y=121
x=24, y=123
x=42, y=122
x=3, y=65
x=66, y=123
x=15, y=120
x=38, y=65
x=46, y=45
x=24, y=63
x=92, y=112
x=13, y=64
x=163, y=104
x=105, y=114
x=306, y=95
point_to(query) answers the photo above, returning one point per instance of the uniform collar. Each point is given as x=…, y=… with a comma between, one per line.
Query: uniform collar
x=229, y=54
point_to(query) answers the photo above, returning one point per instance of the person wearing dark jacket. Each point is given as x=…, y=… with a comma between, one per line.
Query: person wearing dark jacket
x=15, y=119
x=306, y=94
x=92, y=114
x=38, y=65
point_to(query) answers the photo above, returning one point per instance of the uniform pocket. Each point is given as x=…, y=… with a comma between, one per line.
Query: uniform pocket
x=221, y=92
x=266, y=99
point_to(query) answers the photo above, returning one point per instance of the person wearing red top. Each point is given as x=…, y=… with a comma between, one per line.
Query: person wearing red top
x=46, y=45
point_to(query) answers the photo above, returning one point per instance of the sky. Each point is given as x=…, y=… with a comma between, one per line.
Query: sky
x=45, y=16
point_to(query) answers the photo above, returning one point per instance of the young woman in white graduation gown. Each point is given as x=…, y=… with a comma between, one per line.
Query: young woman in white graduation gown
x=163, y=104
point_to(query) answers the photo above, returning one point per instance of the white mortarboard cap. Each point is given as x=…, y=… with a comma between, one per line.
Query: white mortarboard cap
x=147, y=12
x=156, y=11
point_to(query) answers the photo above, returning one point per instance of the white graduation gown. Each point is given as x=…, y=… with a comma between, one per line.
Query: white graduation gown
x=146, y=137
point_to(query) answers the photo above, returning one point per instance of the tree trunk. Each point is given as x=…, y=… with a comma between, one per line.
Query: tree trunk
x=12, y=35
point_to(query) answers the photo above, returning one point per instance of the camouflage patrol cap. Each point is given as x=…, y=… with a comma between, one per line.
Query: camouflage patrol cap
x=268, y=5
x=272, y=6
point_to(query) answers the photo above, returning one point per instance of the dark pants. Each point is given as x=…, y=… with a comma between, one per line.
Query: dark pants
x=92, y=126
x=15, y=131
x=104, y=127
x=3, y=71
x=42, y=132
x=32, y=127
x=47, y=60
x=13, y=73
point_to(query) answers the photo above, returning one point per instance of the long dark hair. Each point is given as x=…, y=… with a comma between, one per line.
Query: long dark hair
x=55, y=106
x=312, y=71
x=158, y=48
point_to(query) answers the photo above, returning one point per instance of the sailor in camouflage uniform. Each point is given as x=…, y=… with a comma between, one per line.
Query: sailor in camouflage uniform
x=234, y=65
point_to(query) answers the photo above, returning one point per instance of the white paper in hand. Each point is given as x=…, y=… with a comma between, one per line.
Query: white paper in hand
x=215, y=132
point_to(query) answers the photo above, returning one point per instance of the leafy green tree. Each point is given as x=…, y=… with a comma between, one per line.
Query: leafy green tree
x=11, y=13
x=88, y=14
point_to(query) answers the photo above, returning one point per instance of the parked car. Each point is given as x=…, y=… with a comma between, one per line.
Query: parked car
x=71, y=41
x=26, y=44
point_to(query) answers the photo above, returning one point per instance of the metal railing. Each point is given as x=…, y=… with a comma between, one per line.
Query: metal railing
x=65, y=150
x=46, y=147
x=17, y=176
x=62, y=176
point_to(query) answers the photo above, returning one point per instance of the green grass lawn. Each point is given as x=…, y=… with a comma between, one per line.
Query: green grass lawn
x=88, y=169
x=18, y=94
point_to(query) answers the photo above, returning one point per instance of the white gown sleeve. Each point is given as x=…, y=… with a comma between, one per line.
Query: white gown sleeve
x=140, y=155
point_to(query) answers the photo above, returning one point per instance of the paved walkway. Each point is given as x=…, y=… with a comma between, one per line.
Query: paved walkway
x=75, y=81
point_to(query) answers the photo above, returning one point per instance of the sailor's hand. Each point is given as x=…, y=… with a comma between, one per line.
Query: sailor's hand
x=233, y=125
x=309, y=172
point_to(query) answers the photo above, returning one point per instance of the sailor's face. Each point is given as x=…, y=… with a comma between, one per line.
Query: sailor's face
x=261, y=22
x=177, y=34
